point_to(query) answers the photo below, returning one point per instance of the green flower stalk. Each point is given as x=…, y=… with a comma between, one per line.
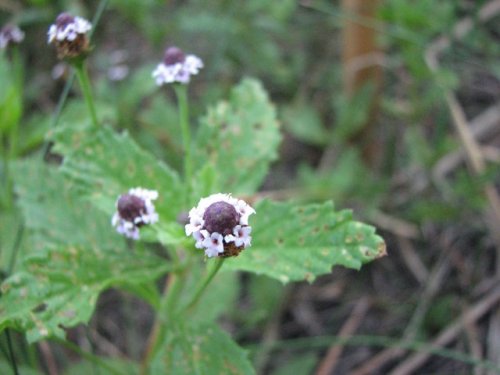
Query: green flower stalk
x=181, y=92
x=69, y=35
x=11, y=71
x=83, y=79
x=177, y=68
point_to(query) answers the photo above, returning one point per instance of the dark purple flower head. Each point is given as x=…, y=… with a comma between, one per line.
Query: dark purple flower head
x=174, y=55
x=219, y=225
x=63, y=20
x=176, y=67
x=221, y=217
x=130, y=207
x=69, y=35
x=133, y=210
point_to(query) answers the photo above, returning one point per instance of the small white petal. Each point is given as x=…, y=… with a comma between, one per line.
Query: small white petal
x=211, y=252
x=69, y=31
x=213, y=244
x=179, y=72
x=200, y=236
x=131, y=229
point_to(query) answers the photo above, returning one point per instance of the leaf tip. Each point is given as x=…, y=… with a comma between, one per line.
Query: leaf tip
x=381, y=250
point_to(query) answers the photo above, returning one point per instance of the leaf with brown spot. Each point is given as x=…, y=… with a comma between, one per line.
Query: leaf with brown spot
x=102, y=182
x=305, y=252
x=241, y=136
x=71, y=259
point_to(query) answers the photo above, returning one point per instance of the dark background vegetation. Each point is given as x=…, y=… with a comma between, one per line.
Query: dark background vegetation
x=383, y=139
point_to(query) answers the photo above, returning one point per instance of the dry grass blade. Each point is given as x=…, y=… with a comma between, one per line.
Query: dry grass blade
x=480, y=127
x=329, y=363
x=471, y=147
x=476, y=348
x=413, y=362
x=413, y=261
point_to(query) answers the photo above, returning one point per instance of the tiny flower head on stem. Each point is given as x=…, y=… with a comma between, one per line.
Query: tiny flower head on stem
x=69, y=35
x=134, y=210
x=176, y=67
x=219, y=225
x=10, y=34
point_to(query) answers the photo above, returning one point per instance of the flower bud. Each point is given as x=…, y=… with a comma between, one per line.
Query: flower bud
x=10, y=34
x=133, y=210
x=176, y=67
x=69, y=35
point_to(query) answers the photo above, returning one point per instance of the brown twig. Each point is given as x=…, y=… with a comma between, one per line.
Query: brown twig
x=493, y=338
x=475, y=346
x=412, y=260
x=471, y=147
x=361, y=59
x=105, y=345
x=48, y=356
x=329, y=362
x=416, y=360
x=474, y=156
x=480, y=127
x=395, y=225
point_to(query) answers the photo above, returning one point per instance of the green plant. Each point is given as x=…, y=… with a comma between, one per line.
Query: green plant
x=70, y=253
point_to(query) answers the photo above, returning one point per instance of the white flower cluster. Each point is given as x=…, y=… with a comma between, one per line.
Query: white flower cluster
x=10, y=34
x=134, y=210
x=214, y=242
x=67, y=28
x=177, y=72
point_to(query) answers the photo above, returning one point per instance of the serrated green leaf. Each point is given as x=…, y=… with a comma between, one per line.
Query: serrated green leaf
x=55, y=214
x=293, y=242
x=77, y=255
x=240, y=138
x=58, y=287
x=105, y=164
x=199, y=350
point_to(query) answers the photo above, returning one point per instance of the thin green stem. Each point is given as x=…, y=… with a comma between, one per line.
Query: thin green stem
x=90, y=357
x=172, y=284
x=4, y=177
x=204, y=283
x=17, y=66
x=15, y=247
x=59, y=107
x=69, y=83
x=166, y=309
x=83, y=78
x=181, y=93
x=11, y=353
